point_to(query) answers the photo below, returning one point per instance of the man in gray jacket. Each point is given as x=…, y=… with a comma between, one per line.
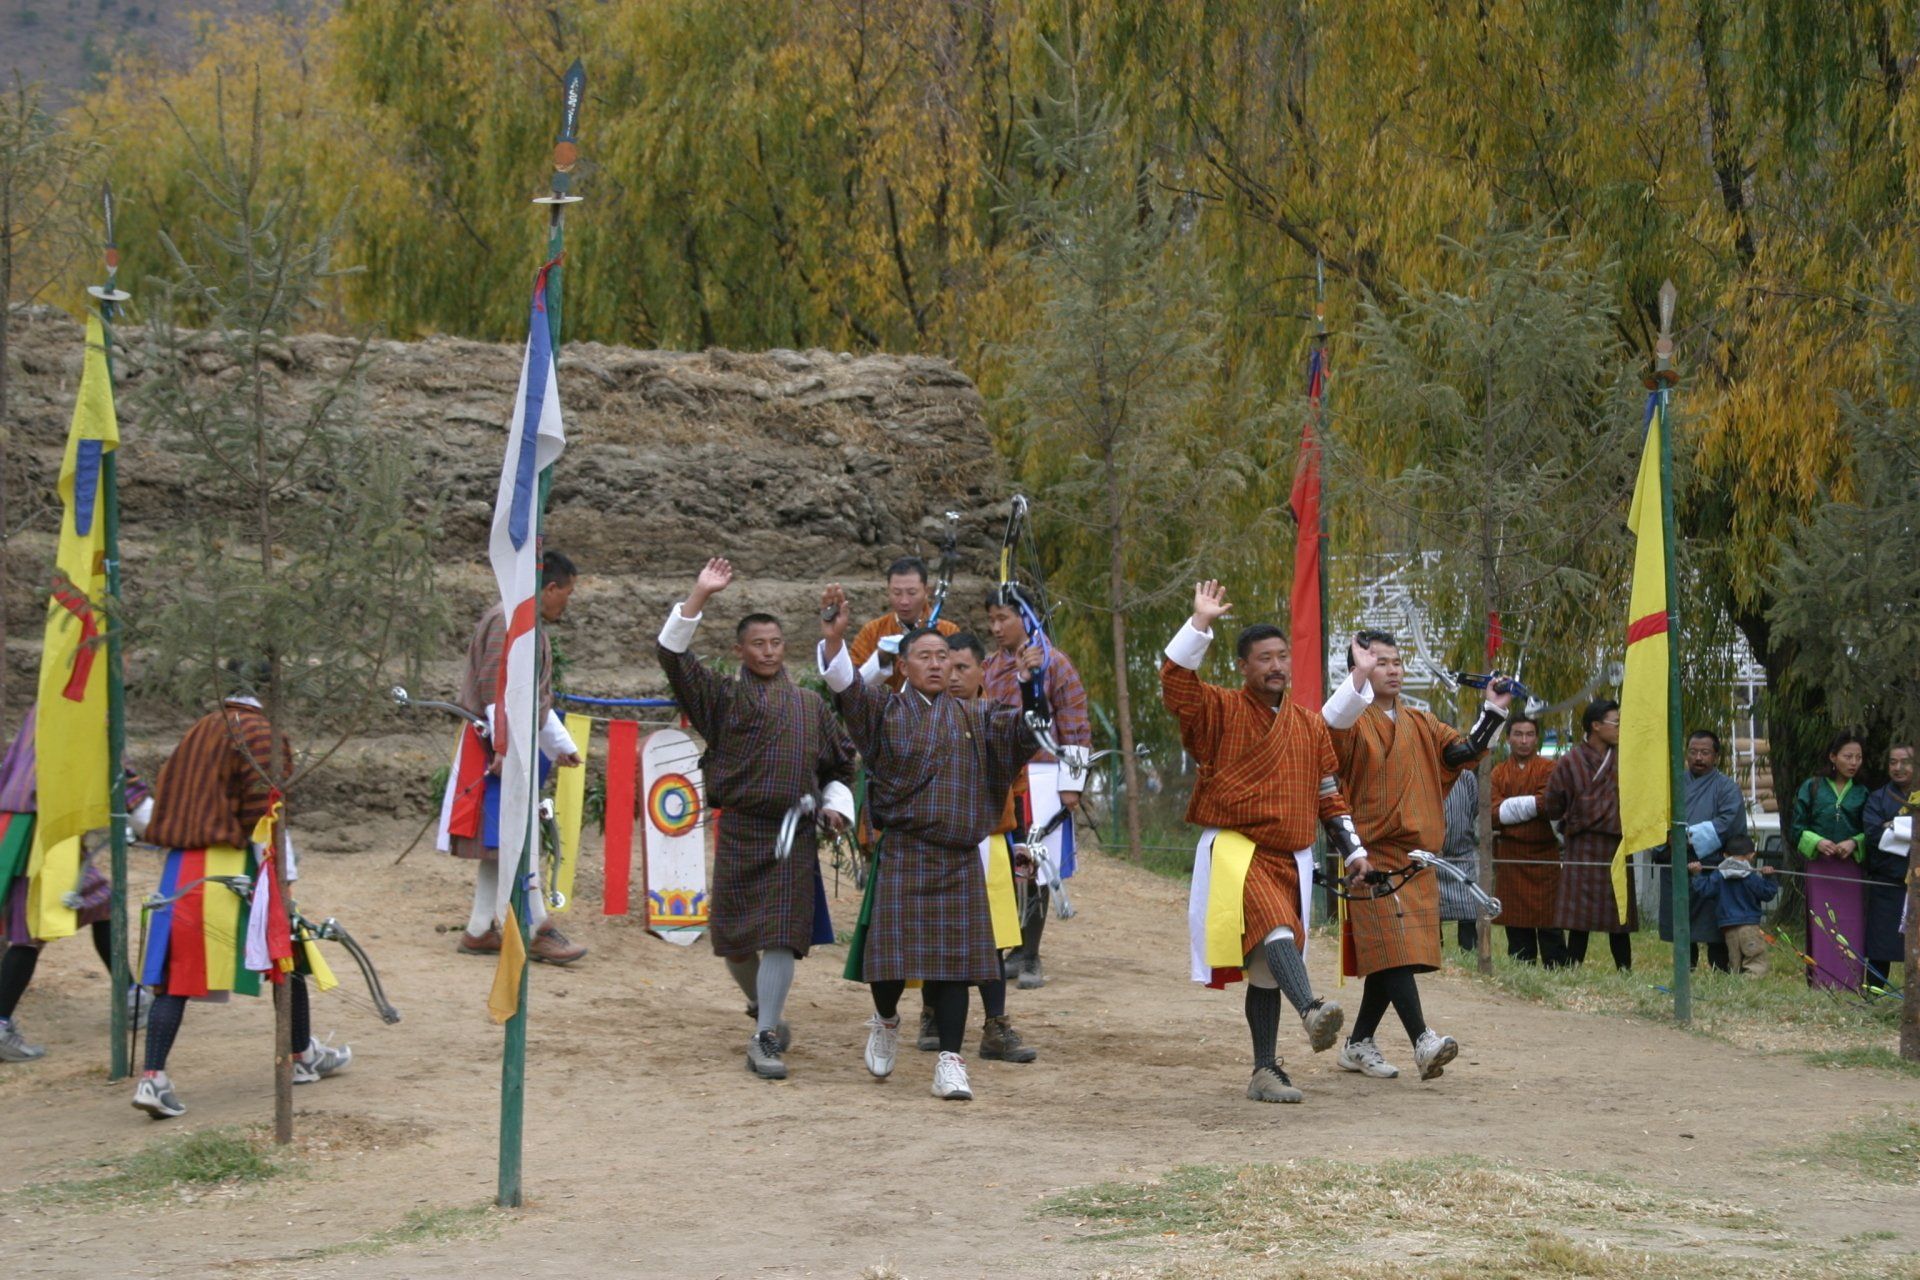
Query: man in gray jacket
x=1715, y=813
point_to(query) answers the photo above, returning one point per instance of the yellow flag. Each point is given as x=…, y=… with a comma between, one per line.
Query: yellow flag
x=504, y=1000
x=70, y=738
x=569, y=807
x=1646, y=765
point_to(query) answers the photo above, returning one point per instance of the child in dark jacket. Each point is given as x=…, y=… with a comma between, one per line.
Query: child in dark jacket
x=1739, y=892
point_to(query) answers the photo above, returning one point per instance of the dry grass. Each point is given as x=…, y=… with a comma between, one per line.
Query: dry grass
x=1444, y=1218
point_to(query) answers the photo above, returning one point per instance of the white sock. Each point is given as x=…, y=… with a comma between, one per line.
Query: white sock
x=486, y=883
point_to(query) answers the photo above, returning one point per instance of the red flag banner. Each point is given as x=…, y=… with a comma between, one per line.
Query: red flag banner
x=623, y=764
x=1306, y=639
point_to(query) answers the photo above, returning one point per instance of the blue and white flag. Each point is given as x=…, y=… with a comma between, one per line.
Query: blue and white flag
x=534, y=442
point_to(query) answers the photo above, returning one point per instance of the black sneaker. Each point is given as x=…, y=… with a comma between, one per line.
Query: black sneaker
x=929, y=1039
x=763, y=1057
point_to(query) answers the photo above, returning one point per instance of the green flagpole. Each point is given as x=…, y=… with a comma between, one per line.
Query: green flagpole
x=120, y=1054
x=1664, y=379
x=513, y=1061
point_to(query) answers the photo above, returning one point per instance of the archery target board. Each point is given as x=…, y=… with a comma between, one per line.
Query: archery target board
x=675, y=836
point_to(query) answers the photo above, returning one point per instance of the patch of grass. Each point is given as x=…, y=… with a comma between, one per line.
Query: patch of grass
x=1777, y=1013
x=1882, y=1149
x=420, y=1226
x=187, y=1162
x=1443, y=1218
x=1872, y=1057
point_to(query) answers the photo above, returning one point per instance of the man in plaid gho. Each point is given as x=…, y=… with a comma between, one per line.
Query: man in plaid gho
x=1266, y=771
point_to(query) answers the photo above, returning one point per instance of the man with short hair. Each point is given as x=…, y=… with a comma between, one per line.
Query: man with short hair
x=1583, y=796
x=470, y=812
x=1526, y=852
x=938, y=775
x=909, y=605
x=1397, y=762
x=769, y=744
x=1715, y=813
x=1266, y=779
x=1052, y=784
x=999, y=1042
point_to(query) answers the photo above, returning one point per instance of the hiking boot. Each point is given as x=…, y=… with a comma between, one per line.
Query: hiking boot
x=323, y=1058
x=782, y=1033
x=1032, y=976
x=550, y=946
x=1433, y=1051
x=763, y=1057
x=1270, y=1084
x=929, y=1034
x=950, y=1079
x=14, y=1046
x=1001, y=1043
x=155, y=1096
x=1322, y=1021
x=486, y=944
x=1364, y=1056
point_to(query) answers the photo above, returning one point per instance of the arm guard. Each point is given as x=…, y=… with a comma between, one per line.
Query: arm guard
x=1477, y=741
x=1342, y=836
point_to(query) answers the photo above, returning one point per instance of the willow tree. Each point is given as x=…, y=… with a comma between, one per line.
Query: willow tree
x=1124, y=408
x=302, y=572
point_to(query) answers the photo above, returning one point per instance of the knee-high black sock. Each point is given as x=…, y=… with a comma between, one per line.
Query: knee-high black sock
x=1263, y=1022
x=1553, y=949
x=16, y=973
x=1033, y=924
x=163, y=1024
x=1621, y=944
x=886, y=998
x=993, y=997
x=103, y=943
x=1374, y=999
x=1523, y=944
x=1289, y=969
x=949, y=1001
x=1576, y=947
x=302, y=1013
x=1405, y=994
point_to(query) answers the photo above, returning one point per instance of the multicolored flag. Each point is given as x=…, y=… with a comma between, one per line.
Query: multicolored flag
x=1306, y=641
x=1646, y=762
x=70, y=739
x=534, y=441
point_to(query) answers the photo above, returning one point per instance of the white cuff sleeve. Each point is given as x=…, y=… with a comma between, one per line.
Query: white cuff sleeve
x=1897, y=839
x=140, y=817
x=1073, y=768
x=555, y=741
x=1704, y=838
x=839, y=673
x=1188, y=648
x=1355, y=856
x=875, y=670
x=836, y=797
x=677, y=634
x=1518, y=809
x=1344, y=707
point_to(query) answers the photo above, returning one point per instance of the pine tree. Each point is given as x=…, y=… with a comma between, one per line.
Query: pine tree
x=304, y=575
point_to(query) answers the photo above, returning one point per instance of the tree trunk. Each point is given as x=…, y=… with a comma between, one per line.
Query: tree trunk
x=6, y=427
x=1122, y=697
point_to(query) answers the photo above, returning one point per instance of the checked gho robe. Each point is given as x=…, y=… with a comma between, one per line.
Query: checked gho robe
x=1526, y=855
x=1583, y=796
x=769, y=742
x=939, y=771
x=1394, y=777
x=470, y=830
x=1259, y=774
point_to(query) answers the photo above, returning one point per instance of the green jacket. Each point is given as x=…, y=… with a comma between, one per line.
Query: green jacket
x=1826, y=809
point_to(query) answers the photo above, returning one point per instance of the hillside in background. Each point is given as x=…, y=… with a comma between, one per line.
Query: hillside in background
x=70, y=45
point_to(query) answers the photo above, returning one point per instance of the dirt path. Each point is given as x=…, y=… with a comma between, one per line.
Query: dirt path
x=651, y=1151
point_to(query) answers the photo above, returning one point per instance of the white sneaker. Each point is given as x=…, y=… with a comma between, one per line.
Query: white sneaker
x=1433, y=1052
x=155, y=1096
x=15, y=1047
x=883, y=1043
x=323, y=1058
x=1364, y=1056
x=950, y=1079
